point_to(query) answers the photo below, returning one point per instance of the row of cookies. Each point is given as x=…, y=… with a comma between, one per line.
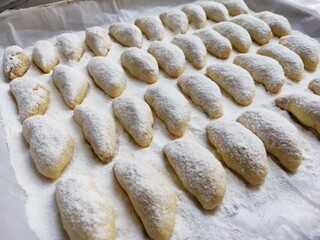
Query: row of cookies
x=45, y=56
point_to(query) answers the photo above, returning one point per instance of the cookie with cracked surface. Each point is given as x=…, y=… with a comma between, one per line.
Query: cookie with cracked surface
x=304, y=106
x=127, y=34
x=15, y=62
x=51, y=146
x=199, y=171
x=263, y=70
x=152, y=197
x=170, y=57
x=45, y=55
x=170, y=106
x=85, y=212
x=234, y=80
x=136, y=118
x=193, y=49
x=31, y=95
x=279, y=136
x=259, y=31
x=240, y=149
x=108, y=75
x=98, y=129
x=140, y=64
x=98, y=41
x=151, y=26
x=203, y=92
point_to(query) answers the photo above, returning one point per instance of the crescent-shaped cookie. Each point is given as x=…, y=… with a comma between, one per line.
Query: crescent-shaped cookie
x=31, y=95
x=237, y=35
x=170, y=58
x=304, y=106
x=45, y=55
x=108, y=75
x=175, y=20
x=199, y=171
x=278, y=24
x=234, y=80
x=151, y=196
x=215, y=43
x=290, y=61
x=170, y=106
x=128, y=34
x=263, y=70
x=195, y=14
x=203, y=92
x=51, y=146
x=151, y=26
x=98, y=129
x=240, y=149
x=140, y=64
x=70, y=46
x=193, y=48
x=98, y=41
x=258, y=29
x=305, y=47
x=279, y=136
x=85, y=213
x=314, y=86
x=215, y=11
x=71, y=83
x=136, y=118
x=235, y=7
x=15, y=62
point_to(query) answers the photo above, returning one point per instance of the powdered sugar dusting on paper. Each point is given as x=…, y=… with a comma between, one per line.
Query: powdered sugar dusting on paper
x=286, y=205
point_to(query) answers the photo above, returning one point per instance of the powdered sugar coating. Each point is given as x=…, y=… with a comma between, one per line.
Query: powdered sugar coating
x=240, y=149
x=45, y=55
x=263, y=70
x=279, y=24
x=314, y=85
x=98, y=41
x=234, y=80
x=150, y=194
x=199, y=171
x=85, y=212
x=136, y=117
x=176, y=20
x=258, y=29
x=169, y=57
x=289, y=60
x=108, y=75
x=140, y=64
x=15, y=62
x=304, y=106
x=279, y=136
x=128, y=34
x=235, y=7
x=202, y=92
x=98, y=129
x=193, y=49
x=70, y=46
x=71, y=83
x=215, y=43
x=31, y=95
x=215, y=11
x=306, y=47
x=195, y=14
x=237, y=35
x=51, y=146
x=151, y=26
x=170, y=106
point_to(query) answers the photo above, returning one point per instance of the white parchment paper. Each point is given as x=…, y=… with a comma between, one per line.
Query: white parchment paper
x=286, y=206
